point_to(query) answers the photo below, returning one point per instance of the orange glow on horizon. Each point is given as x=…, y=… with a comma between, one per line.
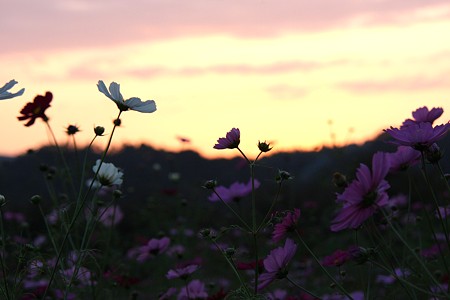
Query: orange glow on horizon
x=283, y=86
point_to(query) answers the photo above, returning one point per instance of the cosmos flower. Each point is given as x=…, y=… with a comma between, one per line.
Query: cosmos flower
x=133, y=103
x=4, y=94
x=182, y=272
x=336, y=259
x=36, y=109
x=235, y=192
x=419, y=136
x=194, y=290
x=231, y=141
x=108, y=175
x=403, y=158
x=287, y=224
x=276, y=263
x=364, y=195
x=110, y=216
x=151, y=249
x=422, y=114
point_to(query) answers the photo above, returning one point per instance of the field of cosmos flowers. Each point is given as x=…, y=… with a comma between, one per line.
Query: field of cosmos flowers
x=378, y=244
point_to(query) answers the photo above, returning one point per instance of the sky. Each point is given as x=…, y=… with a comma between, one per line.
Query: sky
x=298, y=74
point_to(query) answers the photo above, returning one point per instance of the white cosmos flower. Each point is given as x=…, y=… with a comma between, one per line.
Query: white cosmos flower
x=4, y=94
x=108, y=174
x=132, y=103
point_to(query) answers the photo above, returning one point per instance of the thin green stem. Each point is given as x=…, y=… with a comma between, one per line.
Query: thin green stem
x=5, y=278
x=301, y=288
x=78, y=211
x=233, y=211
x=269, y=211
x=341, y=288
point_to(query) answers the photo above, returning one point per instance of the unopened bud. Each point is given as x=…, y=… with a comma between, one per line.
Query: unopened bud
x=339, y=180
x=282, y=176
x=264, y=146
x=99, y=130
x=36, y=199
x=210, y=184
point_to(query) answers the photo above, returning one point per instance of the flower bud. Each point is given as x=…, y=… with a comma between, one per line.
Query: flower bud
x=210, y=184
x=2, y=200
x=205, y=232
x=36, y=199
x=433, y=154
x=72, y=129
x=339, y=180
x=282, y=176
x=264, y=146
x=99, y=130
x=117, y=122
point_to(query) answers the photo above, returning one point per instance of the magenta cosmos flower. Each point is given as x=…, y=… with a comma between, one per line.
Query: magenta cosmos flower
x=424, y=115
x=336, y=259
x=235, y=192
x=364, y=195
x=287, y=224
x=151, y=249
x=403, y=158
x=182, y=272
x=194, y=290
x=419, y=136
x=231, y=141
x=276, y=263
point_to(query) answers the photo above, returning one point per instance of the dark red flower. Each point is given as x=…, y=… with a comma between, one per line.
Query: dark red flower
x=36, y=109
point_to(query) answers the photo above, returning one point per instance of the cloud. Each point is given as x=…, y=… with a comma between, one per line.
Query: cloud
x=92, y=69
x=397, y=84
x=54, y=24
x=284, y=91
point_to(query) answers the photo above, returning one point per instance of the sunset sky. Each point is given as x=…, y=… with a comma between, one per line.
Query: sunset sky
x=289, y=72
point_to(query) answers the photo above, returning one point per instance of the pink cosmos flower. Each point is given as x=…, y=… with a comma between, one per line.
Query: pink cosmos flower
x=419, y=136
x=424, y=115
x=287, y=224
x=231, y=141
x=151, y=249
x=336, y=259
x=110, y=216
x=194, y=290
x=403, y=158
x=276, y=263
x=364, y=195
x=182, y=272
x=235, y=192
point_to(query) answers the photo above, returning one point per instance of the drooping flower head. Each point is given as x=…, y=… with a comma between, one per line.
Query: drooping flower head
x=276, y=263
x=403, y=158
x=36, y=109
x=108, y=174
x=152, y=248
x=422, y=114
x=364, y=195
x=231, y=141
x=235, y=192
x=182, y=272
x=419, y=136
x=287, y=224
x=4, y=94
x=132, y=103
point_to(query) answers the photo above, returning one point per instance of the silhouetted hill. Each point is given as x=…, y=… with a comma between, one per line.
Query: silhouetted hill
x=153, y=177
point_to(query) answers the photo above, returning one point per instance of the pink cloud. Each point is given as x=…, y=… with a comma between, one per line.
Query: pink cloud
x=49, y=24
x=399, y=84
x=284, y=91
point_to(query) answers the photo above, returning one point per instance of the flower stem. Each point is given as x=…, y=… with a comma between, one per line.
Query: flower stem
x=322, y=267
